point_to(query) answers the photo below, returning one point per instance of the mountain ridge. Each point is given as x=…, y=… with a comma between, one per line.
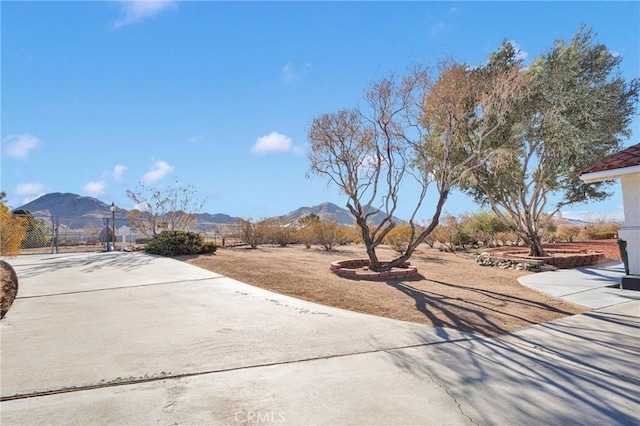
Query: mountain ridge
x=73, y=205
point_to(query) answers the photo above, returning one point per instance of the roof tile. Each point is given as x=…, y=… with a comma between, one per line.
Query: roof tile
x=625, y=158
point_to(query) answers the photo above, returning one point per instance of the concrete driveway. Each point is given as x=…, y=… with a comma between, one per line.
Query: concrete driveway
x=128, y=338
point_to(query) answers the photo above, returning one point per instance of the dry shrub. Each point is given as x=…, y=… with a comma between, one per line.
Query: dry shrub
x=13, y=230
x=398, y=238
x=568, y=232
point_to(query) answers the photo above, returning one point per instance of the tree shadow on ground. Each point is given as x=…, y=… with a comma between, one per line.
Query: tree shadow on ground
x=85, y=262
x=480, y=318
x=518, y=381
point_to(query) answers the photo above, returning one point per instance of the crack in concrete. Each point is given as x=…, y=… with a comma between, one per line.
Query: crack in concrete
x=434, y=381
x=169, y=376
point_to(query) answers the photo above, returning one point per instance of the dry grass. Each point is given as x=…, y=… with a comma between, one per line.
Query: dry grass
x=450, y=291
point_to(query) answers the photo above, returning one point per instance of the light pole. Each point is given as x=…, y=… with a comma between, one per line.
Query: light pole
x=113, y=224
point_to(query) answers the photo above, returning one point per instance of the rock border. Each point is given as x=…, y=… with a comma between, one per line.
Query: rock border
x=574, y=258
x=351, y=268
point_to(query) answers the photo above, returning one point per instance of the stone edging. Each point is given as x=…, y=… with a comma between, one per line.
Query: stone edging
x=574, y=259
x=348, y=269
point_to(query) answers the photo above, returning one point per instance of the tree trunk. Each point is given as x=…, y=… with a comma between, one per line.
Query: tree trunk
x=535, y=246
x=374, y=262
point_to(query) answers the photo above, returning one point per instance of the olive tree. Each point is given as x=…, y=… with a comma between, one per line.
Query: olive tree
x=419, y=127
x=576, y=113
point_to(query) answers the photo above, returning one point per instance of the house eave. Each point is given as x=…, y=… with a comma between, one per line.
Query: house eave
x=609, y=174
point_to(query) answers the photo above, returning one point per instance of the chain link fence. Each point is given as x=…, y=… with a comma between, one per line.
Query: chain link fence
x=36, y=233
x=48, y=234
x=42, y=234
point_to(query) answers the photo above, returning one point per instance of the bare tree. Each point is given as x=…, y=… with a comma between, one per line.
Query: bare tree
x=173, y=207
x=413, y=127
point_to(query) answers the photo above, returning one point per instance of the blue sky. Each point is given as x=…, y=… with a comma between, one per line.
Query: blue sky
x=98, y=96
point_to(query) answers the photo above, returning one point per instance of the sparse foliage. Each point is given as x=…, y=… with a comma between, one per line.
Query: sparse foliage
x=172, y=208
x=412, y=127
x=250, y=232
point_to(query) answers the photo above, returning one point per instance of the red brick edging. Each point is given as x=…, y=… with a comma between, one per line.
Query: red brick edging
x=352, y=269
x=574, y=259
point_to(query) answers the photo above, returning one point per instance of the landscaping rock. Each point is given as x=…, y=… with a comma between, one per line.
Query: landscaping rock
x=484, y=259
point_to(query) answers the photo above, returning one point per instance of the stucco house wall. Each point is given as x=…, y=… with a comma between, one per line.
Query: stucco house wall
x=625, y=165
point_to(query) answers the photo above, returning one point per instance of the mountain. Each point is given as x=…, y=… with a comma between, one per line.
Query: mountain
x=330, y=211
x=78, y=212
x=207, y=222
x=326, y=211
x=70, y=205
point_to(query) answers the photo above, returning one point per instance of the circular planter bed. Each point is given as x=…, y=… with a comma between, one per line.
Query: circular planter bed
x=357, y=269
x=559, y=258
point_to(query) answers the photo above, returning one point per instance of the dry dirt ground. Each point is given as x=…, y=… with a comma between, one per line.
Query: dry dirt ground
x=451, y=289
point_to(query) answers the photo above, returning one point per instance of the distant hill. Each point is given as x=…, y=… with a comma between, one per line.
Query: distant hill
x=206, y=221
x=326, y=211
x=70, y=205
x=330, y=211
x=85, y=211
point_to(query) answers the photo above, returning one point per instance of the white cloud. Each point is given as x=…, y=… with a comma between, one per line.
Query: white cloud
x=118, y=171
x=133, y=11
x=29, y=189
x=159, y=170
x=18, y=146
x=290, y=73
x=95, y=189
x=521, y=55
x=274, y=142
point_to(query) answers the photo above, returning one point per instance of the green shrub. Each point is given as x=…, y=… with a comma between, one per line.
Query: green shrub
x=175, y=243
x=461, y=238
x=208, y=247
x=603, y=235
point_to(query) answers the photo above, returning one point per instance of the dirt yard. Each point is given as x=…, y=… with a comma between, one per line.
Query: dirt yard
x=451, y=289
